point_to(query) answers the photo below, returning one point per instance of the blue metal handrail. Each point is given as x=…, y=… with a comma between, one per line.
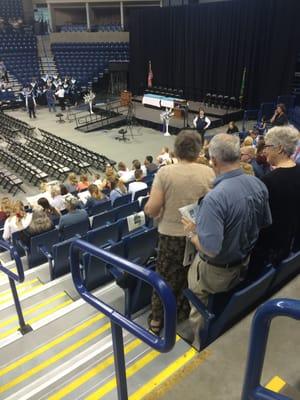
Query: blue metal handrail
x=13, y=278
x=118, y=321
x=263, y=317
x=20, y=277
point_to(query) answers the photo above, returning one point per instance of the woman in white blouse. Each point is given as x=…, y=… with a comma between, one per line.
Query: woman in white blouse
x=18, y=221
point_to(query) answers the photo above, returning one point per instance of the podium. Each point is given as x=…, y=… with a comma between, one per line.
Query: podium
x=126, y=98
x=178, y=113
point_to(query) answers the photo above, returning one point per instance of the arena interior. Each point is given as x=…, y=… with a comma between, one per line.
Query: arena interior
x=149, y=199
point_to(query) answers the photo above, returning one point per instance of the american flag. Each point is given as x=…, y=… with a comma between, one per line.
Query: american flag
x=150, y=75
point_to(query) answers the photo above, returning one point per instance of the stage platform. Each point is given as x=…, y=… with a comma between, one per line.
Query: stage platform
x=150, y=118
x=212, y=112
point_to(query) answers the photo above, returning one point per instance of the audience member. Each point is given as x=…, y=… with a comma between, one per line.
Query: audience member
x=57, y=200
x=248, y=141
x=71, y=183
x=5, y=209
x=296, y=155
x=202, y=123
x=227, y=226
x=138, y=184
x=96, y=197
x=17, y=221
x=175, y=186
x=259, y=164
x=63, y=189
x=232, y=128
x=110, y=176
x=279, y=118
x=50, y=211
x=163, y=156
x=74, y=215
x=98, y=180
x=283, y=184
x=150, y=165
x=40, y=223
x=83, y=183
x=118, y=189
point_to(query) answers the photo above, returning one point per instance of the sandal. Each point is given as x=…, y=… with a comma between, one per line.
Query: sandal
x=154, y=326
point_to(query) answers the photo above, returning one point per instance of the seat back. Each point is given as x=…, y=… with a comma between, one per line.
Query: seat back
x=286, y=270
x=80, y=228
x=240, y=303
x=141, y=193
x=103, y=219
x=132, y=225
x=96, y=271
x=60, y=253
x=120, y=201
x=140, y=247
x=100, y=207
x=103, y=235
x=47, y=239
x=128, y=209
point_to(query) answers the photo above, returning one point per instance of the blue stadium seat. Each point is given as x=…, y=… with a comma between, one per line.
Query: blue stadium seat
x=141, y=193
x=72, y=230
x=46, y=240
x=58, y=258
x=128, y=209
x=100, y=208
x=120, y=201
x=105, y=235
x=103, y=219
x=225, y=309
x=286, y=270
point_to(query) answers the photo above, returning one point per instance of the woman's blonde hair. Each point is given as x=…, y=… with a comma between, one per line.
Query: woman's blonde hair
x=40, y=222
x=55, y=191
x=72, y=178
x=6, y=205
x=95, y=192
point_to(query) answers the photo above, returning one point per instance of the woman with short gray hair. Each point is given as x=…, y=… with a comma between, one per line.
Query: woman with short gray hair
x=283, y=183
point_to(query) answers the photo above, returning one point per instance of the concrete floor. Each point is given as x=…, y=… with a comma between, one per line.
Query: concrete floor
x=221, y=375
x=143, y=141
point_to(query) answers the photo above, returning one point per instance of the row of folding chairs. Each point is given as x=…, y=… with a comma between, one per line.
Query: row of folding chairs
x=98, y=161
x=16, y=123
x=56, y=155
x=25, y=168
x=10, y=182
x=41, y=161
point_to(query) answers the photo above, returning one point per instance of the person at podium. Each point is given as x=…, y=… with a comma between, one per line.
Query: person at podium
x=202, y=123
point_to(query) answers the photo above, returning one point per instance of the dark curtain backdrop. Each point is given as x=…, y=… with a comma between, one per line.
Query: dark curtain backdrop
x=205, y=48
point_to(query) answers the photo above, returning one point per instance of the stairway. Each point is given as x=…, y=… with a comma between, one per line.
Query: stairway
x=14, y=84
x=46, y=59
x=68, y=355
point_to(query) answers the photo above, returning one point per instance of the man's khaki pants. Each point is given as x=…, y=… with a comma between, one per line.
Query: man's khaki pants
x=205, y=279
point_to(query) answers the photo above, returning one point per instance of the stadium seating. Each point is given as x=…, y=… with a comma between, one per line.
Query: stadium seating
x=19, y=52
x=87, y=61
x=94, y=28
x=11, y=9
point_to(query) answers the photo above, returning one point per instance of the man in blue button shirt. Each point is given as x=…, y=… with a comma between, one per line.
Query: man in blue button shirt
x=227, y=226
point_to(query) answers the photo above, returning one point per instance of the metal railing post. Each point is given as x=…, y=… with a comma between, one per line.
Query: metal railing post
x=24, y=328
x=119, y=358
x=12, y=277
x=119, y=321
x=252, y=390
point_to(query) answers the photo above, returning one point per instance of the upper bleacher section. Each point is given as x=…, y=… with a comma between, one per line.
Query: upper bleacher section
x=86, y=61
x=94, y=28
x=11, y=9
x=19, y=52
